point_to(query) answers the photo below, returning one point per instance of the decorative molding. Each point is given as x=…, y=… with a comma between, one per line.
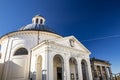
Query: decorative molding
x=67, y=51
x=72, y=42
x=17, y=33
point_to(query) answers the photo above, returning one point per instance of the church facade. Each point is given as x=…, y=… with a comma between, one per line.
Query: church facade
x=35, y=52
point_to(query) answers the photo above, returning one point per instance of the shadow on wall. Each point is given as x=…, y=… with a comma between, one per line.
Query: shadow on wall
x=1, y=70
x=14, y=70
x=17, y=71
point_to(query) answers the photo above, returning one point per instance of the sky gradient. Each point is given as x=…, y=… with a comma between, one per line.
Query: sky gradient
x=95, y=23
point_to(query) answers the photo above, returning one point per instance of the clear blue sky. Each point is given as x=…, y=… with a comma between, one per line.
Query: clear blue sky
x=96, y=23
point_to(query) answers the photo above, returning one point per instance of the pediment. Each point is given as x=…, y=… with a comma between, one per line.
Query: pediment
x=72, y=42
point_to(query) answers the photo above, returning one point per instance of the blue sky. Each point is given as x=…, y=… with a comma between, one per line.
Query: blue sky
x=96, y=23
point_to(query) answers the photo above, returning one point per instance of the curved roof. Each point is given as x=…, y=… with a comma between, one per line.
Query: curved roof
x=37, y=24
x=37, y=27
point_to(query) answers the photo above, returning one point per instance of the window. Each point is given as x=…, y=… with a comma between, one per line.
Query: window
x=37, y=21
x=41, y=21
x=21, y=51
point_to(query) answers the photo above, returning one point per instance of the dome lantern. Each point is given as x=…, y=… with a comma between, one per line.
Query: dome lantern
x=38, y=24
x=38, y=20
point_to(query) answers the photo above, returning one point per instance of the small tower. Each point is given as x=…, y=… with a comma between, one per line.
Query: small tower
x=38, y=19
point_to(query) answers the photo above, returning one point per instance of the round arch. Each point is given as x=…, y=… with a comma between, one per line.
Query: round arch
x=21, y=51
x=84, y=67
x=73, y=69
x=58, y=67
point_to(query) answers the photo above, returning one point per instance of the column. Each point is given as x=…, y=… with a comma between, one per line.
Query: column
x=101, y=72
x=67, y=68
x=44, y=66
x=80, y=70
x=110, y=72
x=107, y=73
x=89, y=70
x=50, y=69
x=96, y=72
x=115, y=77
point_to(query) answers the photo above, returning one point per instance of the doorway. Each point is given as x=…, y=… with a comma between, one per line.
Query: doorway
x=58, y=68
x=59, y=73
x=73, y=69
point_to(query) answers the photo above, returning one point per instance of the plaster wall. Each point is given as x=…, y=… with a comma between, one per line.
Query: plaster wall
x=10, y=43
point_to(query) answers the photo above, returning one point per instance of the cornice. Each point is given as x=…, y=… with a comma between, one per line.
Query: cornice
x=60, y=47
x=17, y=33
x=53, y=47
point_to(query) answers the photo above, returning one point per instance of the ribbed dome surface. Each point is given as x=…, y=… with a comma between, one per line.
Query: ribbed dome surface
x=36, y=27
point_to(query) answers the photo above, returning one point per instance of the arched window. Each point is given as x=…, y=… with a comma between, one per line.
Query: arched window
x=41, y=21
x=21, y=51
x=37, y=21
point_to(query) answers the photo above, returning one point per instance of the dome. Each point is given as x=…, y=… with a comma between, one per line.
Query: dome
x=36, y=27
x=38, y=24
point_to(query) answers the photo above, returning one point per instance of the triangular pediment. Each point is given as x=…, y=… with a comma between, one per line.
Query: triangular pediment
x=72, y=42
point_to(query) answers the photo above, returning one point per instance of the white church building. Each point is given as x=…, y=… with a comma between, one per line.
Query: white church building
x=35, y=52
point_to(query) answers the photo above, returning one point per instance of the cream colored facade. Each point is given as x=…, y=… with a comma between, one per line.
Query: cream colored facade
x=101, y=69
x=32, y=54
